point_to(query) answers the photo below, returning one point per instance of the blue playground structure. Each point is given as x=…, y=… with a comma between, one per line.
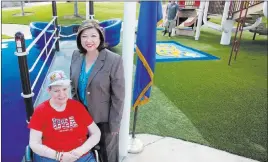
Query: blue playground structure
x=15, y=134
x=112, y=28
x=36, y=28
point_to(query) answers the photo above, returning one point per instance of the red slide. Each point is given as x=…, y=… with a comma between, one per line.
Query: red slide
x=190, y=21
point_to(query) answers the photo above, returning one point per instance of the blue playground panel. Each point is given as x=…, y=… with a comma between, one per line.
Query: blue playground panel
x=168, y=51
x=35, y=29
x=112, y=31
x=15, y=134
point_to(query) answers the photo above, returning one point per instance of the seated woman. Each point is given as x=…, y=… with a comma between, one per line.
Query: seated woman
x=61, y=129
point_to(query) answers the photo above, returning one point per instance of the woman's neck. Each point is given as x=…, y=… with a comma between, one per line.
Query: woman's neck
x=57, y=107
x=92, y=56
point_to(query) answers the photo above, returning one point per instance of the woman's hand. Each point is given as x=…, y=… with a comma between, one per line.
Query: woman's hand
x=68, y=157
x=115, y=133
x=76, y=153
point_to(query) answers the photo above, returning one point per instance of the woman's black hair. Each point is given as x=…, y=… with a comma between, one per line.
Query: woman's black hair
x=101, y=46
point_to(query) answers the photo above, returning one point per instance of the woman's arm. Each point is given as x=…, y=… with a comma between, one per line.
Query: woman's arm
x=42, y=150
x=73, y=88
x=37, y=146
x=117, y=95
x=93, y=139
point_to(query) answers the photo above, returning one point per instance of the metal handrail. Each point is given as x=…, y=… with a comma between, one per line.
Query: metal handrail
x=22, y=53
x=41, y=53
x=240, y=25
x=40, y=34
x=40, y=71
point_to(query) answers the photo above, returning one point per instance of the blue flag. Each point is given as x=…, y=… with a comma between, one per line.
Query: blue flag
x=149, y=18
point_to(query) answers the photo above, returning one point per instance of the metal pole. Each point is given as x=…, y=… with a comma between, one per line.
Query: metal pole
x=242, y=23
x=135, y=121
x=76, y=9
x=22, y=9
x=54, y=11
x=91, y=10
x=136, y=145
x=254, y=34
x=24, y=74
x=87, y=10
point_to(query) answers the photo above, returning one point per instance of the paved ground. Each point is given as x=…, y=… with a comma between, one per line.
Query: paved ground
x=159, y=149
x=11, y=29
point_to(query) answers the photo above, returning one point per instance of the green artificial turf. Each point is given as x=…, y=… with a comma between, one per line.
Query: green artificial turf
x=102, y=10
x=3, y=36
x=226, y=104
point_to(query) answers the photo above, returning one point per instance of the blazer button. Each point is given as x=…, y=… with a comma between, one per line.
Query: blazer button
x=88, y=93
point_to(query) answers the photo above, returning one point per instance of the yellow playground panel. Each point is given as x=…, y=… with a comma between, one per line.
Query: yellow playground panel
x=172, y=50
x=167, y=51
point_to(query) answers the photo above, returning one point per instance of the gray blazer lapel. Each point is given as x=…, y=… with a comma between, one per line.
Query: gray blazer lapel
x=98, y=65
x=77, y=69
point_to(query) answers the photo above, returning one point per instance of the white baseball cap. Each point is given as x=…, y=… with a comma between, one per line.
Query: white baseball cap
x=58, y=77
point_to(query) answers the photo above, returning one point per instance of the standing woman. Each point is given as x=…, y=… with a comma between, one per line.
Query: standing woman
x=98, y=82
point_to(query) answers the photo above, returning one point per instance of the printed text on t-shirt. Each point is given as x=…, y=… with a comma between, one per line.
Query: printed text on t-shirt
x=64, y=124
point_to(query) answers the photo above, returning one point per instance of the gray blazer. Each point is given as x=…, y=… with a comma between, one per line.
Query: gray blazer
x=105, y=88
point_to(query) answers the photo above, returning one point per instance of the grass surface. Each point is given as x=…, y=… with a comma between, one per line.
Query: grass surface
x=102, y=10
x=226, y=104
x=5, y=36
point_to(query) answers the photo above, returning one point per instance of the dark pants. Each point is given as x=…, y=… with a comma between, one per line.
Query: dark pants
x=109, y=144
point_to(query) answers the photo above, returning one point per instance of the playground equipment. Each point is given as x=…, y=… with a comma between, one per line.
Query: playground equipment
x=247, y=14
x=29, y=69
x=233, y=11
x=262, y=29
x=111, y=28
x=36, y=28
x=186, y=22
x=188, y=26
x=245, y=8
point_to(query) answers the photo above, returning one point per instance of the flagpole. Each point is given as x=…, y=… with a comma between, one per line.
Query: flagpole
x=129, y=24
x=135, y=121
x=150, y=15
x=136, y=146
